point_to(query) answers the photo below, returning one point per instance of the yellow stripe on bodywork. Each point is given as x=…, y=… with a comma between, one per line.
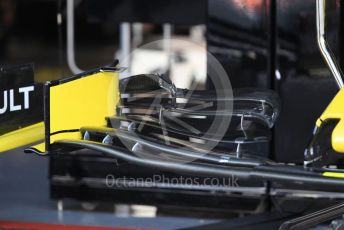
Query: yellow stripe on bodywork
x=333, y=174
x=335, y=110
x=40, y=148
x=86, y=101
x=22, y=137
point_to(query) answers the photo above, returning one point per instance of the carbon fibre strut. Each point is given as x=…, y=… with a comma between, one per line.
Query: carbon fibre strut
x=315, y=218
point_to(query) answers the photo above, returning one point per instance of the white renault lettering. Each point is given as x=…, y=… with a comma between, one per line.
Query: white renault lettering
x=25, y=91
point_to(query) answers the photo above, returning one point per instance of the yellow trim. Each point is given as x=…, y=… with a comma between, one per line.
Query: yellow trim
x=333, y=174
x=335, y=110
x=85, y=101
x=22, y=137
x=40, y=147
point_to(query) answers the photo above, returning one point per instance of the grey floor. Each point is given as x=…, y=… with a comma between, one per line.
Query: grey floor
x=24, y=196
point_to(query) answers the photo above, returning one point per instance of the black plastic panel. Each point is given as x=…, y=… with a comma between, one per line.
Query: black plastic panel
x=20, y=99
